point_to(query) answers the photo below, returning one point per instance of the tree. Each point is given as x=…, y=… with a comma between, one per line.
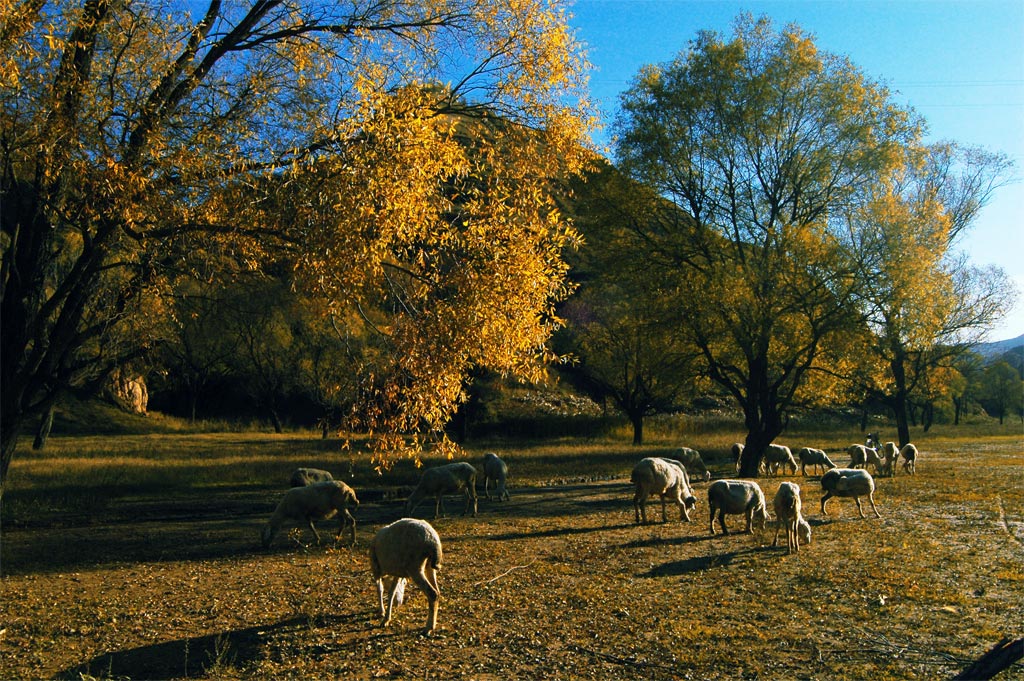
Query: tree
x=925, y=305
x=762, y=141
x=144, y=140
x=1003, y=391
x=619, y=323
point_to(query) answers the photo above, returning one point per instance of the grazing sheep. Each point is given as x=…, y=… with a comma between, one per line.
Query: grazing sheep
x=737, y=497
x=317, y=501
x=737, y=452
x=890, y=454
x=447, y=479
x=862, y=455
x=787, y=511
x=407, y=549
x=872, y=441
x=804, y=528
x=495, y=469
x=776, y=456
x=307, y=476
x=909, y=454
x=849, y=482
x=663, y=477
x=815, y=458
x=691, y=460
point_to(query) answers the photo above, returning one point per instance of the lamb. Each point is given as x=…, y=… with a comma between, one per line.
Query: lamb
x=303, y=505
x=779, y=455
x=815, y=458
x=407, y=549
x=862, y=455
x=663, y=477
x=909, y=454
x=306, y=476
x=804, y=528
x=890, y=454
x=736, y=497
x=495, y=469
x=447, y=479
x=787, y=511
x=849, y=482
x=737, y=452
x=691, y=460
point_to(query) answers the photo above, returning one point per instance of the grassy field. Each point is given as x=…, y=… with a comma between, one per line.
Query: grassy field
x=136, y=556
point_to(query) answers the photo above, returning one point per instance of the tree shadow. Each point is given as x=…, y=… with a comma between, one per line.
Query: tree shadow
x=227, y=652
x=697, y=564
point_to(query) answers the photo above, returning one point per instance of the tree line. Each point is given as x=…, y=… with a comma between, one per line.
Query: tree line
x=373, y=204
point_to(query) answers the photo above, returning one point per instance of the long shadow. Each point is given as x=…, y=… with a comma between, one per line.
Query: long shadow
x=555, y=532
x=696, y=564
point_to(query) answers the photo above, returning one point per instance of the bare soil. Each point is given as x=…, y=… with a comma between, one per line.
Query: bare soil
x=558, y=583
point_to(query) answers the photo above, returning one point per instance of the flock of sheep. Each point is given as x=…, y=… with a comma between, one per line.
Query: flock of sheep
x=411, y=549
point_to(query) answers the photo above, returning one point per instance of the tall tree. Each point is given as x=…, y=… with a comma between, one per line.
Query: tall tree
x=763, y=141
x=924, y=303
x=141, y=139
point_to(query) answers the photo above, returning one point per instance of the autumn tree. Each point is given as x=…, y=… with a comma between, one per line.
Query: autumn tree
x=357, y=141
x=924, y=303
x=763, y=141
x=1003, y=391
x=620, y=326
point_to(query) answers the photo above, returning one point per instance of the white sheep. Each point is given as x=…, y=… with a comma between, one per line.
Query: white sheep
x=495, y=469
x=663, y=477
x=737, y=497
x=815, y=458
x=447, y=479
x=787, y=512
x=909, y=454
x=303, y=505
x=889, y=454
x=849, y=482
x=862, y=455
x=692, y=461
x=776, y=456
x=804, y=528
x=737, y=451
x=407, y=549
x=305, y=476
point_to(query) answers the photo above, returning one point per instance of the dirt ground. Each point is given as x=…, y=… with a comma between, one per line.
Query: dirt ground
x=557, y=583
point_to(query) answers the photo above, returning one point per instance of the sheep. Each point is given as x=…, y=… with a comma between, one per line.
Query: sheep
x=862, y=455
x=809, y=456
x=909, y=454
x=736, y=497
x=663, y=477
x=305, y=476
x=872, y=441
x=776, y=456
x=691, y=460
x=407, y=549
x=447, y=479
x=495, y=469
x=737, y=452
x=890, y=454
x=849, y=482
x=787, y=511
x=804, y=529
x=303, y=505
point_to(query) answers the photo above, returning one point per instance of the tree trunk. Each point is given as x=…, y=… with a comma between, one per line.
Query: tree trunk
x=8, y=443
x=899, y=402
x=638, y=428
x=45, y=424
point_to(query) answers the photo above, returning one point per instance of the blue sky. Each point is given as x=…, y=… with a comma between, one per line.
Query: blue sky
x=960, y=64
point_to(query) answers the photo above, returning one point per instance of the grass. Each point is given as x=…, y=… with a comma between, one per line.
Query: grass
x=135, y=556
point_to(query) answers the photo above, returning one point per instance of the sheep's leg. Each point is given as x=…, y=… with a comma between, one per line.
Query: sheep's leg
x=664, y=516
x=721, y=520
x=711, y=522
x=439, y=506
x=347, y=518
x=426, y=580
x=640, y=505
x=828, y=495
x=792, y=539
x=396, y=585
x=487, y=491
x=778, y=526
x=380, y=596
x=859, y=508
x=871, y=498
x=470, y=498
x=312, y=527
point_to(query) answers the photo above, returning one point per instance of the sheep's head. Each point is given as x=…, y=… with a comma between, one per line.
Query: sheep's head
x=760, y=518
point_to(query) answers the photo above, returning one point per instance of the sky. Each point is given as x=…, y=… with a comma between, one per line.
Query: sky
x=959, y=64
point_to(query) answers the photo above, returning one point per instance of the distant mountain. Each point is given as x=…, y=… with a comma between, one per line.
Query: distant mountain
x=999, y=347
